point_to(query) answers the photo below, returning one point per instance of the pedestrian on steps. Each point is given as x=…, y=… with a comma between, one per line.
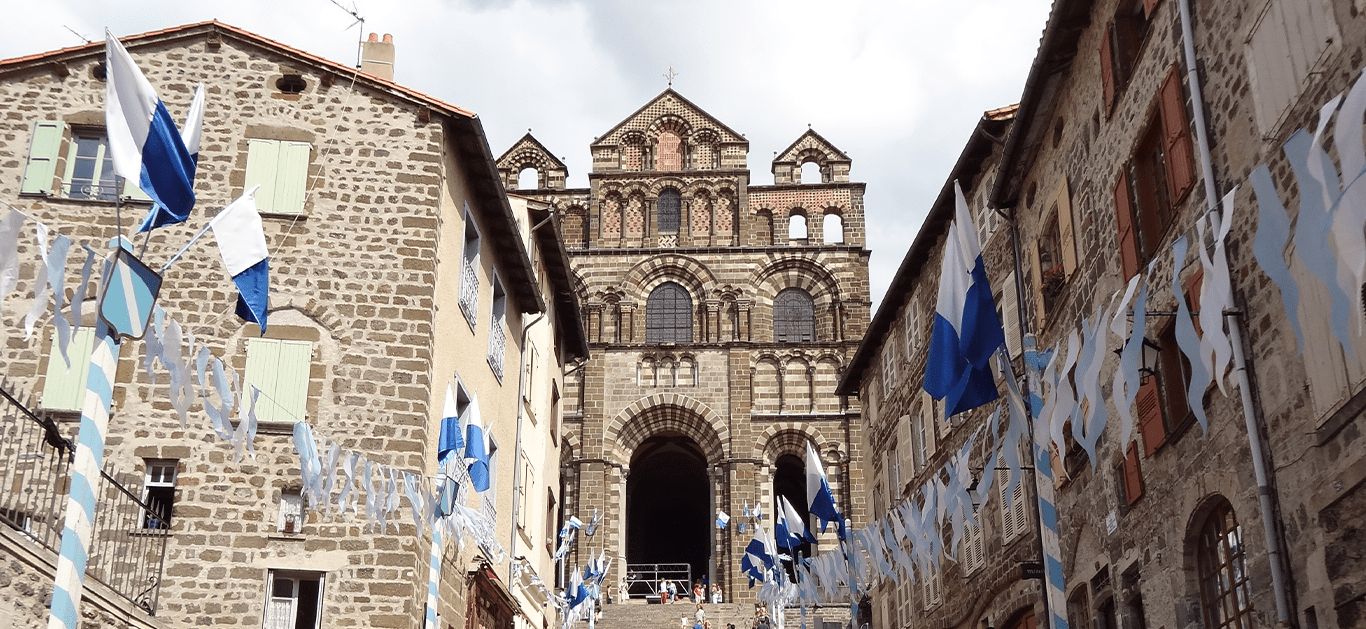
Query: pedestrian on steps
x=673, y=592
x=716, y=594
x=701, y=614
x=697, y=593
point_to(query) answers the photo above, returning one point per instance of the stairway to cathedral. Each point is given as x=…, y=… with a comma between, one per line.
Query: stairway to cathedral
x=638, y=614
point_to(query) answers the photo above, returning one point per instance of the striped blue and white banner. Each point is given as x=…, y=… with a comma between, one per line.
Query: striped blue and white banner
x=85, y=479
x=1054, y=584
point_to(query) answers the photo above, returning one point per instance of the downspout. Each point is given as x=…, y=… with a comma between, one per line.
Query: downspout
x=1264, y=490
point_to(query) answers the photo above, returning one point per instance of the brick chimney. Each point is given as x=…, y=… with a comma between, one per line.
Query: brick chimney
x=377, y=57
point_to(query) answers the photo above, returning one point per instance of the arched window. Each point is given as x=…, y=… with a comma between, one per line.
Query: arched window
x=811, y=173
x=528, y=179
x=833, y=229
x=796, y=227
x=670, y=209
x=668, y=315
x=1224, y=590
x=794, y=319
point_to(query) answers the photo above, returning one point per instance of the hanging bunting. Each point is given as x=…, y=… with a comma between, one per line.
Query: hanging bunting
x=1089, y=426
x=1126, y=380
x=1273, y=231
x=41, y=289
x=1188, y=341
x=10, y=226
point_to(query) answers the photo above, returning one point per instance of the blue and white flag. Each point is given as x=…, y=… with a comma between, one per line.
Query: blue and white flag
x=790, y=528
x=190, y=134
x=722, y=519
x=451, y=437
x=966, y=329
x=144, y=143
x=758, y=557
x=242, y=241
x=819, y=500
x=476, y=448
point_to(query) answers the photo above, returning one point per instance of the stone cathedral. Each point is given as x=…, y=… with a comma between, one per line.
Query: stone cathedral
x=721, y=315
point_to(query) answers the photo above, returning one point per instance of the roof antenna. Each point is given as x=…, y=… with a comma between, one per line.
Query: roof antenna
x=360, y=36
x=73, y=32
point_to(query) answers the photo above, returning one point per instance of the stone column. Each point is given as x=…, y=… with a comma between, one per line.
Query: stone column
x=594, y=323
x=628, y=328
x=744, y=306
x=713, y=320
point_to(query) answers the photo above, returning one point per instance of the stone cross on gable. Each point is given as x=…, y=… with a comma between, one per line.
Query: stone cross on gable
x=670, y=76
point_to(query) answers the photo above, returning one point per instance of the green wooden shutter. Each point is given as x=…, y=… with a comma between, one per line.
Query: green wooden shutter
x=291, y=387
x=132, y=191
x=263, y=157
x=64, y=388
x=43, y=151
x=291, y=177
x=263, y=371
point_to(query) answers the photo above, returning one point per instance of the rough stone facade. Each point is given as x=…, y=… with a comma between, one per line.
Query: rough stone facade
x=368, y=274
x=725, y=388
x=1111, y=82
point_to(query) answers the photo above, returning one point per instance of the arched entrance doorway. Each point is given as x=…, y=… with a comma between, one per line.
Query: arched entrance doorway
x=668, y=510
x=789, y=481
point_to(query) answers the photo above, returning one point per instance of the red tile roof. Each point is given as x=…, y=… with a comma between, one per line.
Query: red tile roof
x=132, y=41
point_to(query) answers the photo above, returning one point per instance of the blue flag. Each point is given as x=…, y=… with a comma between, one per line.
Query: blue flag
x=476, y=448
x=966, y=329
x=190, y=134
x=819, y=500
x=451, y=437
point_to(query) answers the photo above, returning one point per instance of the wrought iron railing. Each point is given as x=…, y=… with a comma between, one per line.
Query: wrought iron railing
x=497, y=347
x=84, y=189
x=128, y=541
x=469, y=291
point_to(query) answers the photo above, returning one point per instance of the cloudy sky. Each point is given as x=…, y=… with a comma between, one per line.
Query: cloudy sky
x=897, y=84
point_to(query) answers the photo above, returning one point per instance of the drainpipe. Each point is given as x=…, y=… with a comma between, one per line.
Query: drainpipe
x=1264, y=489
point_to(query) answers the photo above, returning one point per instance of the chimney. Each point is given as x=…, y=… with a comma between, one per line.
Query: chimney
x=377, y=57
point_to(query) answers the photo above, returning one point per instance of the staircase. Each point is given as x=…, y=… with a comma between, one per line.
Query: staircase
x=641, y=614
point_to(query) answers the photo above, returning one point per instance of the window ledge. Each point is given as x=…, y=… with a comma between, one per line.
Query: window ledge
x=274, y=428
x=284, y=216
x=286, y=537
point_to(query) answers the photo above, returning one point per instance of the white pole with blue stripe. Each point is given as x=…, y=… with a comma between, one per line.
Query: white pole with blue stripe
x=85, y=478
x=1043, y=487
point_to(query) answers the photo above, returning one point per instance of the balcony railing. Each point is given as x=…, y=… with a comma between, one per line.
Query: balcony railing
x=469, y=291
x=126, y=553
x=498, y=343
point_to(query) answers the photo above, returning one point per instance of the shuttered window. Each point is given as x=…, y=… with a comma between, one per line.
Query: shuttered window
x=64, y=388
x=1133, y=475
x=1289, y=40
x=890, y=381
x=43, y=150
x=1107, y=70
x=1010, y=317
x=281, y=169
x=1178, y=155
x=1124, y=223
x=928, y=429
x=89, y=172
x=974, y=546
x=1150, y=422
x=1014, y=512
x=280, y=369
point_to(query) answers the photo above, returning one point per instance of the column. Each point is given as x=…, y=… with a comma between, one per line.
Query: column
x=628, y=328
x=713, y=320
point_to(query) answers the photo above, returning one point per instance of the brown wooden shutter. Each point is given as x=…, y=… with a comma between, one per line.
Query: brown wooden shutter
x=1133, y=475
x=1107, y=71
x=1149, y=6
x=1149, y=403
x=1124, y=224
x=1066, y=232
x=1036, y=281
x=1176, y=138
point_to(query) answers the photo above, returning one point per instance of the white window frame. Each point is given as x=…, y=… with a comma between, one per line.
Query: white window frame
x=889, y=364
x=291, y=505
x=498, y=337
x=470, y=248
x=294, y=576
x=159, y=474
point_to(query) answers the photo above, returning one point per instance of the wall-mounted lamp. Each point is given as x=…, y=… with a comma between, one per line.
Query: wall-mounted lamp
x=974, y=495
x=1152, y=352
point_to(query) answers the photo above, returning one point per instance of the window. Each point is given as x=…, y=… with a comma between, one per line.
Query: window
x=794, y=318
x=1156, y=179
x=811, y=173
x=670, y=211
x=528, y=179
x=1009, y=313
x=929, y=427
x=497, y=332
x=765, y=227
x=1224, y=589
x=295, y=600
x=1014, y=511
x=291, y=84
x=932, y=588
x=550, y=521
x=832, y=230
x=796, y=226
x=668, y=315
x=889, y=364
x=1079, y=608
x=291, y=518
x=1123, y=41
x=89, y=172
x=280, y=369
x=1054, y=253
x=280, y=167
x=158, y=493
x=1288, y=41
x=554, y=413
x=973, y=546
x=528, y=479
x=910, y=321
x=1163, y=409
x=1131, y=476
x=469, y=276
x=64, y=389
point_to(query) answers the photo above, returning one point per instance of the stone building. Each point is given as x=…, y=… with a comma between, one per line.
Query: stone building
x=720, y=316
x=1103, y=171
x=394, y=250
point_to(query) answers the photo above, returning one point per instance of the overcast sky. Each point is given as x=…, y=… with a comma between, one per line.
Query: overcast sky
x=898, y=85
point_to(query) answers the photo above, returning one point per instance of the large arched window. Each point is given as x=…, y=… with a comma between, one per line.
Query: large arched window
x=668, y=315
x=794, y=316
x=1224, y=590
x=670, y=209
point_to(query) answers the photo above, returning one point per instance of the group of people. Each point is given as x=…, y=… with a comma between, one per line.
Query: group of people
x=668, y=592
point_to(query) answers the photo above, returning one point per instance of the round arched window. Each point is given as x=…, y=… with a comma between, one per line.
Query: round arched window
x=670, y=211
x=668, y=315
x=794, y=316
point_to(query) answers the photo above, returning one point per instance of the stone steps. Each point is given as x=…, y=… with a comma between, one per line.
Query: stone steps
x=642, y=614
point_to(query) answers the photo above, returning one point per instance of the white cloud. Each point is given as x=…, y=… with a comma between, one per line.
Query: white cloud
x=897, y=85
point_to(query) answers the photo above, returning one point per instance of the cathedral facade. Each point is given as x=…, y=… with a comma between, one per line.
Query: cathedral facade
x=721, y=316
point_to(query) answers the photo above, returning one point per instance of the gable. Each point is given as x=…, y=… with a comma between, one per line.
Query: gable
x=810, y=144
x=671, y=111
